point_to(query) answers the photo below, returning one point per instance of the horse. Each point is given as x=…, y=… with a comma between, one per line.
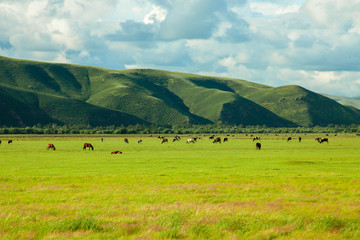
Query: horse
x=10, y=141
x=299, y=139
x=258, y=146
x=140, y=141
x=50, y=146
x=116, y=152
x=176, y=138
x=88, y=145
x=226, y=140
x=289, y=139
x=126, y=140
x=256, y=138
x=217, y=140
x=318, y=139
x=191, y=140
x=324, y=140
x=164, y=140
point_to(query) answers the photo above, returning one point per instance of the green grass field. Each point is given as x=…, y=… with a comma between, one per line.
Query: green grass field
x=287, y=190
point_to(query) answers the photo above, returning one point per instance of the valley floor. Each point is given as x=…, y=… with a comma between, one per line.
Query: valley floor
x=202, y=190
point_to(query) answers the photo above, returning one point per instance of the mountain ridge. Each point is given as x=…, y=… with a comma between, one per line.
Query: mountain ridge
x=75, y=94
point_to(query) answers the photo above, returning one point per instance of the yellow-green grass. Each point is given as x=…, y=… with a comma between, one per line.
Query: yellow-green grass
x=286, y=190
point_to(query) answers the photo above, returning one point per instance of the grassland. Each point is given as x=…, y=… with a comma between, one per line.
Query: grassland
x=287, y=190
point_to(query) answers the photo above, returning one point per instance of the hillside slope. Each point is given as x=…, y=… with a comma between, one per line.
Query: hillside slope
x=305, y=107
x=37, y=92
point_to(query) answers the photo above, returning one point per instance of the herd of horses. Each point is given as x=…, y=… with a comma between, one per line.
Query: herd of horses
x=215, y=139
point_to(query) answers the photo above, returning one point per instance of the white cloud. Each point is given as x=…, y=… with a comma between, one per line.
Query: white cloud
x=157, y=14
x=271, y=9
x=313, y=43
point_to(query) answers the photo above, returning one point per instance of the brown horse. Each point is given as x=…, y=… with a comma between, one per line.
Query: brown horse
x=116, y=152
x=51, y=146
x=88, y=145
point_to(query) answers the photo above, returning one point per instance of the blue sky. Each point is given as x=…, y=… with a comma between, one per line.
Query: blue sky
x=311, y=43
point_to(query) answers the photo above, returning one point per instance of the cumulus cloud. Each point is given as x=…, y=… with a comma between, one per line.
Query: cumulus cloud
x=313, y=43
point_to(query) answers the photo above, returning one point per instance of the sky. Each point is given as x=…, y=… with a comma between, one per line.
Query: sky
x=311, y=43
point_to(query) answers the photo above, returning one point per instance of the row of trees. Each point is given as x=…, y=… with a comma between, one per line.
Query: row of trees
x=193, y=129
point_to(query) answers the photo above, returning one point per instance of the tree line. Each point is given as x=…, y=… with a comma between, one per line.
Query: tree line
x=189, y=129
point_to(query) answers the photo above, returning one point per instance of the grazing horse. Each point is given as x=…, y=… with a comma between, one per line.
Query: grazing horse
x=212, y=137
x=88, y=145
x=256, y=138
x=318, y=139
x=191, y=140
x=324, y=140
x=226, y=140
x=50, y=146
x=289, y=139
x=176, y=138
x=258, y=146
x=116, y=152
x=140, y=141
x=164, y=140
x=217, y=140
x=10, y=141
x=126, y=140
x=299, y=139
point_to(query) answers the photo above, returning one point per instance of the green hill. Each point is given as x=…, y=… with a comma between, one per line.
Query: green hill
x=37, y=92
x=304, y=107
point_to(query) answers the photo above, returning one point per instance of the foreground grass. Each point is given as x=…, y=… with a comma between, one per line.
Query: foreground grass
x=287, y=190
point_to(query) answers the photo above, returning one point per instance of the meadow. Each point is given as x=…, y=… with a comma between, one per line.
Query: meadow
x=286, y=190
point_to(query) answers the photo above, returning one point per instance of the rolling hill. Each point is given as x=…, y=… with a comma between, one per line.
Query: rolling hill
x=38, y=92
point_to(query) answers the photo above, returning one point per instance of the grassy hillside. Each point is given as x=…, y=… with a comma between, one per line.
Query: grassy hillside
x=70, y=94
x=304, y=107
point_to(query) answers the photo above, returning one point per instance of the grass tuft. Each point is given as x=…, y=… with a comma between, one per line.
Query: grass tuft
x=77, y=224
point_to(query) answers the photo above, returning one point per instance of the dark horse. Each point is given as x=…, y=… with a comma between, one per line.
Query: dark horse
x=10, y=141
x=324, y=140
x=258, y=146
x=88, y=145
x=50, y=146
x=217, y=140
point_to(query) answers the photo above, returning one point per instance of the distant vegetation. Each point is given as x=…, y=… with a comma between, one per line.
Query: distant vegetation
x=68, y=95
x=194, y=129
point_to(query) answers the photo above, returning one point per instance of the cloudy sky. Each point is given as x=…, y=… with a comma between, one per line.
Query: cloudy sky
x=312, y=43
